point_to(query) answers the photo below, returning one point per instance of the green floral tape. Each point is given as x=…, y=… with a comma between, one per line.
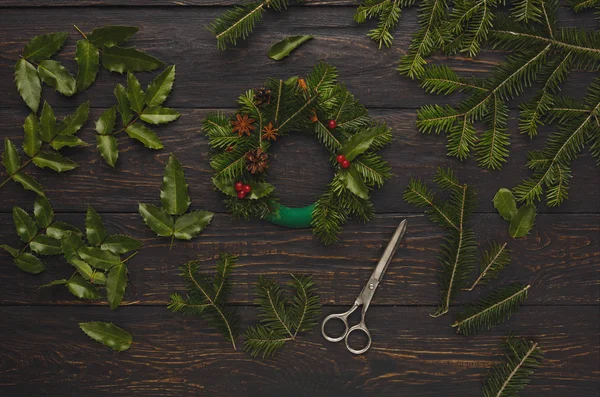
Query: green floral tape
x=292, y=217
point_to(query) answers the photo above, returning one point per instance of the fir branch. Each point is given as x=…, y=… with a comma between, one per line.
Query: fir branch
x=493, y=262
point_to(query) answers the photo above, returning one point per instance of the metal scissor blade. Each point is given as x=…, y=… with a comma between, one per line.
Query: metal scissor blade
x=389, y=252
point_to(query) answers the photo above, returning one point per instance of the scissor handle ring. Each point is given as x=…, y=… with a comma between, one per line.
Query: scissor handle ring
x=358, y=327
x=344, y=318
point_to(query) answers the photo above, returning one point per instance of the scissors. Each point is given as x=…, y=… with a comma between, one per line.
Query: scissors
x=366, y=295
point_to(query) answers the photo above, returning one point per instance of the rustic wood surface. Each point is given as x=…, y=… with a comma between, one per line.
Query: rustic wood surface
x=43, y=352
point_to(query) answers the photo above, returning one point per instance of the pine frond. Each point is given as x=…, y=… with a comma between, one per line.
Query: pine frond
x=493, y=261
x=511, y=375
x=492, y=148
x=492, y=310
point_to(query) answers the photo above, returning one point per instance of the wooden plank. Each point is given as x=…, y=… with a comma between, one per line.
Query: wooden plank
x=178, y=35
x=295, y=160
x=44, y=353
x=560, y=259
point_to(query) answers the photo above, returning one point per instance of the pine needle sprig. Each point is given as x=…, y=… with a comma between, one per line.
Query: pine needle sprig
x=511, y=375
x=493, y=261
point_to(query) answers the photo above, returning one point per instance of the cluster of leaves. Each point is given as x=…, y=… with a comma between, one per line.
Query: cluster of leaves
x=171, y=220
x=281, y=318
x=521, y=220
x=303, y=105
x=135, y=105
x=457, y=255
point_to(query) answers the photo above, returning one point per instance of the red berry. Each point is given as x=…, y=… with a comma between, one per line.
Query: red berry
x=341, y=158
x=239, y=186
x=247, y=189
x=345, y=164
x=241, y=195
x=332, y=124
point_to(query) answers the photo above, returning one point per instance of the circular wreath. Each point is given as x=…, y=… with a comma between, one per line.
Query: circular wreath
x=316, y=104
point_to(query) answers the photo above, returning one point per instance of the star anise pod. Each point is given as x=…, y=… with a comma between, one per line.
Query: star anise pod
x=257, y=161
x=270, y=132
x=262, y=95
x=243, y=125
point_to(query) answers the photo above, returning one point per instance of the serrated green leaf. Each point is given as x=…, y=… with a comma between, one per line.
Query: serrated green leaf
x=145, y=135
x=58, y=230
x=159, y=115
x=157, y=219
x=108, y=147
x=28, y=84
x=106, y=122
x=43, y=212
x=58, y=77
x=111, y=35
x=116, y=282
x=32, y=142
x=54, y=161
x=353, y=182
x=71, y=243
x=86, y=271
x=88, y=59
x=12, y=251
x=28, y=183
x=108, y=334
x=10, y=157
x=29, y=263
x=99, y=258
x=189, y=225
x=359, y=143
x=48, y=128
x=120, y=244
x=259, y=190
x=120, y=60
x=44, y=46
x=123, y=104
x=283, y=48
x=45, y=245
x=505, y=203
x=225, y=187
x=26, y=227
x=135, y=94
x=522, y=221
x=160, y=88
x=174, y=189
x=82, y=288
x=73, y=122
x=94, y=227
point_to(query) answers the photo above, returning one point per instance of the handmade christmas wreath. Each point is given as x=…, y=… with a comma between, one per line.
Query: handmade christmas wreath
x=329, y=111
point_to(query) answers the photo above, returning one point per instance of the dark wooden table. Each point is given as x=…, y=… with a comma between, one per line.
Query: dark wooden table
x=42, y=350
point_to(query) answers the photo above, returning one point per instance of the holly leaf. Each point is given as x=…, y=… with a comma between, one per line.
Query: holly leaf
x=99, y=258
x=359, y=143
x=283, y=48
x=58, y=230
x=48, y=128
x=259, y=190
x=73, y=122
x=26, y=227
x=353, y=182
x=174, y=189
x=108, y=147
x=94, y=227
x=189, y=225
x=108, y=334
x=116, y=282
x=157, y=219
x=522, y=222
x=123, y=104
x=88, y=59
x=505, y=203
x=120, y=60
x=43, y=47
x=10, y=157
x=120, y=244
x=28, y=183
x=43, y=212
x=32, y=141
x=45, y=245
x=29, y=263
x=12, y=251
x=28, y=84
x=58, y=77
x=111, y=35
x=106, y=122
x=54, y=161
x=145, y=135
x=61, y=141
x=82, y=288
x=135, y=94
x=225, y=187
x=159, y=115
x=160, y=88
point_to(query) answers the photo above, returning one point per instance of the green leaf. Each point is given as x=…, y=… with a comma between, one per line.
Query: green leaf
x=26, y=227
x=44, y=215
x=283, y=48
x=116, y=283
x=135, y=94
x=106, y=122
x=82, y=288
x=54, y=161
x=48, y=128
x=44, y=46
x=123, y=104
x=73, y=122
x=12, y=251
x=259, y=190
x=88, y=59
x=120, y=60
x=160, y=88
x=120, y=244
x=46, y=245
x=159, y=115
x=108, y=147
x=58, y=77
x=108, y=334
x=32, y=141
x=28, y=183
x=157, y=219
x=225, y=187
x=145, y=135
x=99, y=258
x=353, y=182
x=10, y=157
x=94, y=227
x=111, y=35
x=174, y=190
x=59, y=230
x=29, y=263
x=359, y=143
x=61, y=141
x=28, y=84
x=189, y=225
x=522, y=221
x=505, y=203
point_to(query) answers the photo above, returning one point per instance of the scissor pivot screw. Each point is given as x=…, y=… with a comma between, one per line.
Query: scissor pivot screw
x=371, y=286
